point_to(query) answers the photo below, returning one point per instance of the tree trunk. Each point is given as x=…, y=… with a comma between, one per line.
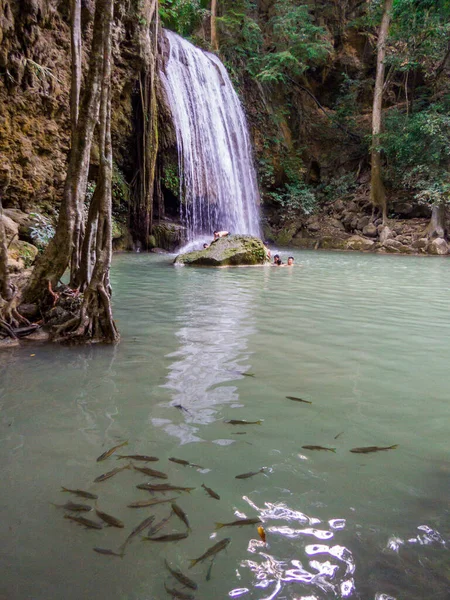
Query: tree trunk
x=75, y=9
x=66, y=242
x=377, y=191
x=88, y=249
x=96, y=322
x=5, y=288
x=214, y=41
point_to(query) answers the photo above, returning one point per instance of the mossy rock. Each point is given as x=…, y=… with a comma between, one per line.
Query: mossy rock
x=168, y=235
x=284, y=236
x=234, y=250
x=22, y=252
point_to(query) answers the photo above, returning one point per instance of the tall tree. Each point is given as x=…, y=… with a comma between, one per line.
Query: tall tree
x=66, y=242
x=377, y=190
x=214, y=41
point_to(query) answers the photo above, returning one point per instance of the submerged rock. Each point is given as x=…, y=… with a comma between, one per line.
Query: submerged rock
x=232, y=250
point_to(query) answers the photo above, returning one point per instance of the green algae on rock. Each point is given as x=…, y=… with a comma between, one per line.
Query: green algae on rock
x=234, y=250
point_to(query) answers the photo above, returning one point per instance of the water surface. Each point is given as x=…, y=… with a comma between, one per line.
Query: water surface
x=365, y=338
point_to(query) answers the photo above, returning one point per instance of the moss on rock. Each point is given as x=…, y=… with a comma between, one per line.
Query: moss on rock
x=232, y=250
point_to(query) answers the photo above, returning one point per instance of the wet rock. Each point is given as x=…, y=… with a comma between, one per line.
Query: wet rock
x=313, y=224
x=356, y=242
x=159, y=251
x=332, y=243
x=7, y=343
x=232, y=250
x=339, y=206
x=337, y=224
x=284, y=236
x=22, y=252
x=169, y=235
x=438, y=246
x=11, y=227
x=370, y=230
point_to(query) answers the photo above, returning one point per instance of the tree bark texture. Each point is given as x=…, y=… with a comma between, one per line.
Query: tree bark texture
x=96, y=323
x=214, y=41
x=377, y=191
x=66, y=242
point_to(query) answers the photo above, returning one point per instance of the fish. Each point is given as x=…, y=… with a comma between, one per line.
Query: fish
x=248, y=374
x=141, y=457
x=298, y=399
x=74, y=507
x=143, y=525
x=239, y=433
x=338, y=435
x=319, y=448
x=83, y=521
x=262, y=534
x=211, y=551
x=211, y=492
x=108, y=453
x=151, y=472
x=80, y=493
x=109, y=519
x=180, y=407
x=163, y=487
x=107, y=552
x=238, y=523
x=144, y=503
x=109, y=474
x=237, y=422
x=171, y=537
x=208, y=574
x=181, y=514
x=185, y=463
x=367, y=449
x=158, y=526
x=183, y=579
x=177, y=594
x=247, y=475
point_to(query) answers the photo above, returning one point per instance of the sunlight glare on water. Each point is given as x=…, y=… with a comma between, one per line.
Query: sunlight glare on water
x=364, y=338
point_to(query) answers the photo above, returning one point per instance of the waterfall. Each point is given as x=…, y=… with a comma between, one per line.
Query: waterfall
x=218, y=186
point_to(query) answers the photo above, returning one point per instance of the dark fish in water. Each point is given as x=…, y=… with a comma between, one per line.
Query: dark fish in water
x=338, y=435
x=239, y=433
x=171, y=537
x=83, y=521
x=262, y=533
x=144, y=503
x=211, y=492
x=208, y=574
x=185, y=463
x=298, y=399
x=237, y=422
x=180, y=407
x=107, y=552
x=109, y=519
x=247, y=475
x=238, y=523
x=367, y=449
x=319, y=448
x=248, y=374
x=142, y=457
x=108, y=453
x=155, y=528
x=183, y=579
x=80, y=493
x=181, y=514
x=163, y=487
x=151, y=472
x=74, y=507
x=109, y=474
x=177, y=594
x=211, y=551
x=145, y=523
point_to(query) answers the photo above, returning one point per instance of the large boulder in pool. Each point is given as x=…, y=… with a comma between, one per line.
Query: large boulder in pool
x=233, y=250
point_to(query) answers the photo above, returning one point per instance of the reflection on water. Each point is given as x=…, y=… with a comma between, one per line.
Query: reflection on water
x=213, y=337
x=338, y=525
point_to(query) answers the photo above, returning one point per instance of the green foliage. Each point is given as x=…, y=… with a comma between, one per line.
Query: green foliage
x=417, y=148
x=297, y=44
x=241, y=38
x=171, y=179
x=182, y=16
x=41, y=231
x=293, y=199
x=120, y=191
x=338, y=187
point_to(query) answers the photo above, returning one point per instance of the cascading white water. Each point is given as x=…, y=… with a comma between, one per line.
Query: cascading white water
x=218, y=186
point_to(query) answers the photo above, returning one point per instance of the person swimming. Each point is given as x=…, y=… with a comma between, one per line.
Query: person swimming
x=290, y=262
x=220, y=234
